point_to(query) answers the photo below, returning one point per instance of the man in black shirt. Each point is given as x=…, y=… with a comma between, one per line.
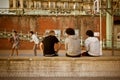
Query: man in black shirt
x=50, y=45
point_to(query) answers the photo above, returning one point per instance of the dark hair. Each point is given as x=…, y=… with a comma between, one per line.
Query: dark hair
x=31, y=32
x=70, y=31
x=15, y=31
x=90, y=33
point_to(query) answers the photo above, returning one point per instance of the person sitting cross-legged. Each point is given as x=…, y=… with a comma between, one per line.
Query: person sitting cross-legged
x=72, y=44
x=48, y=45
x=92, y=45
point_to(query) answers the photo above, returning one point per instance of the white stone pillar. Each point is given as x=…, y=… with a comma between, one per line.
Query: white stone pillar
x=109, y=25
x=35, y=4
x=21, y=3
x=30, y=4
x=39, y=4
x=14, y=3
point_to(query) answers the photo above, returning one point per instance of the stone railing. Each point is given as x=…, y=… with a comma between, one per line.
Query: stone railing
x=59, y=67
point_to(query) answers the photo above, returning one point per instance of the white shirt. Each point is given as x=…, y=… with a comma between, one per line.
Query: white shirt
x=92, y=45
x=72, y=45
x=35, y=39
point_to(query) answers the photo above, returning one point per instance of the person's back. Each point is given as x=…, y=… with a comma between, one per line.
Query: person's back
x=48, y=45
x=93, y=46
x=72, y=44
x=49, y=42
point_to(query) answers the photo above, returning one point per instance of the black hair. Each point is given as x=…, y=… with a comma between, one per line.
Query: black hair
x=90, y=33
x=70, y=31
x=15, y=31
x=31, y=32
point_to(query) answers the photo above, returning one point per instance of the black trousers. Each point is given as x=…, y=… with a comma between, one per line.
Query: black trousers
x=73, y=56
x=85, y=54
x=51, y=55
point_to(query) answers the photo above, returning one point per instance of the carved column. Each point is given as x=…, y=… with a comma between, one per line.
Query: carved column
x=30, y=3
x=35, y=4
x=14, y=3
x=21, y=3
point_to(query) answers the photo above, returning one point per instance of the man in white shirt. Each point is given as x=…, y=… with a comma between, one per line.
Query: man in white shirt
x=34, y=39
x=92, y=45
x=72, y=44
